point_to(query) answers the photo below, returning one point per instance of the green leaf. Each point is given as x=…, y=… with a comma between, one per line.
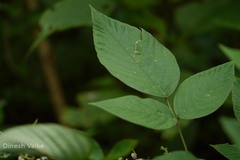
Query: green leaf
x=145, y=112
x=88, y=116
x=236, y=98
x=176, y=155
x=54, y=141
x=69, y=14
x=121, y=149
x=232, y=53
x=204, y=92
x=194, y=17
x=232, y=127
x=232, y=152
x=134, y=56
x=97, y=153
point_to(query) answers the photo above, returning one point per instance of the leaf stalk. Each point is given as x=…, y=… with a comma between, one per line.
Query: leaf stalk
x=177, y=125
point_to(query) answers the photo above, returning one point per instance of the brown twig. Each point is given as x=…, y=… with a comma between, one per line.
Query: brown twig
x=49, y=69
x=46, y=57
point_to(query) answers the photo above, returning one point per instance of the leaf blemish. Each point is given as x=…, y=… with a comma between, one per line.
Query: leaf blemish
x=136, y=51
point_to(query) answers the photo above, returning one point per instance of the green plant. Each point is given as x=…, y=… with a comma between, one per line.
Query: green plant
x=56, y=142
x=136, y=58
x=230, y=125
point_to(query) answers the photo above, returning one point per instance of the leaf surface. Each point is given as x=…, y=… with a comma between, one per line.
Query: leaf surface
x=236, y=98
x=51, y=140
x=204, y=92
x=134, y=56
x=232, y=152
x=145, y=112
x=121, y=149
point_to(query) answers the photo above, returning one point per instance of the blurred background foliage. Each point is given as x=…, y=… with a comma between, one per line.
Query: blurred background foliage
x=59, y=36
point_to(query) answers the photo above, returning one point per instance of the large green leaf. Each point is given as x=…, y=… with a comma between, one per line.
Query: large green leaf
x=232, y=127
x=232, y=53
x=176, y=155
x=54, y=141
x=134, y=56
x=145, y=112
x=232, y=152
x=236, y=98
x=121, y=149
x=204, y=92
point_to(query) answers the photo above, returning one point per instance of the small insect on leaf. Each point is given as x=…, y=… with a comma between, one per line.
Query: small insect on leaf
x=136, y=51
x=137, y=55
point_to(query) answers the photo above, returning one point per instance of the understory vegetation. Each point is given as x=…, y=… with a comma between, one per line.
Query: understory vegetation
x=111, y=79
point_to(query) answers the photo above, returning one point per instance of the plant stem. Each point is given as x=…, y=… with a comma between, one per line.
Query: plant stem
x=48, y=66
x=52, y=79
x=177, y=125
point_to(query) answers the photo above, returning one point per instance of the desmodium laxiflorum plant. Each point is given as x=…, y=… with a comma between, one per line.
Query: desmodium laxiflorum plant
x=136, y=58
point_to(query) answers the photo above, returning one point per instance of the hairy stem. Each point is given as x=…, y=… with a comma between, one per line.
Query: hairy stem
x=177, y=125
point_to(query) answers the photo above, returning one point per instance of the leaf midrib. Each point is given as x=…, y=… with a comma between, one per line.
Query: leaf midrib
x=149, y=77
